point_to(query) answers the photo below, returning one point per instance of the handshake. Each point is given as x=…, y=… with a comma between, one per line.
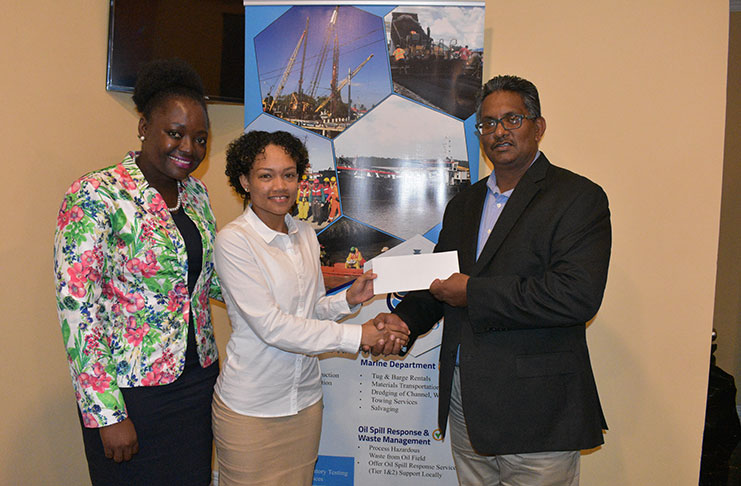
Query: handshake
x=385, y=334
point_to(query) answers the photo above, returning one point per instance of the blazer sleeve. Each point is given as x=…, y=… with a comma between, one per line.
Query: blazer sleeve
x=209, y=221
x=570, y=289
x=83, y=225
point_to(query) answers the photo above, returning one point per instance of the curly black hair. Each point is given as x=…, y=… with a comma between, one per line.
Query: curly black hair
x=159, y=79
x=241, y=154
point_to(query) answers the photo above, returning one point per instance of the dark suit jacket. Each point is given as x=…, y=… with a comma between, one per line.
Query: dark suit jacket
x=526, y=379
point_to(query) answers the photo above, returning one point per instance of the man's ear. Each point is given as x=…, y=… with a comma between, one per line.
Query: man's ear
x=539, y=128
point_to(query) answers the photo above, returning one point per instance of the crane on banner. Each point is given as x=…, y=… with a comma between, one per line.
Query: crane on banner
x=333, y=81
x=289, y=67
x=323, y=53
x=343, y=83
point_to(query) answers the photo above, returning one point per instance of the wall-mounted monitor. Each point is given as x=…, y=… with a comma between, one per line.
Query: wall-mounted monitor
x=208, y=34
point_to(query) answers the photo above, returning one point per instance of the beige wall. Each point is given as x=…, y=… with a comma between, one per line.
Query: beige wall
x=727, y=319
x=620, y=84
x=634, y=96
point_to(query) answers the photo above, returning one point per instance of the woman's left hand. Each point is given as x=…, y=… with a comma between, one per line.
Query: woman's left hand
x=361, y=290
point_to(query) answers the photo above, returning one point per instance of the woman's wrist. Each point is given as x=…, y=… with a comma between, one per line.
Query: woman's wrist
x=349, y=298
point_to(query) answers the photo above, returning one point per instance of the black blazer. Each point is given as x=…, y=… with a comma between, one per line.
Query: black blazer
x=526, y=379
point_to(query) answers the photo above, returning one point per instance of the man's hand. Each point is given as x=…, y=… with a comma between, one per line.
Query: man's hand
x=361, y=289
x=119, y=440
x=452, y=290
x=397, y=331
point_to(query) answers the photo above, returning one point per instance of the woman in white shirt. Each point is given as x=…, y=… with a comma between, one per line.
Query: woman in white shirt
x=267, y=410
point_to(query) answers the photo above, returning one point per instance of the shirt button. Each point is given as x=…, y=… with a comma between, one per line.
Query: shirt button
x=499, y=205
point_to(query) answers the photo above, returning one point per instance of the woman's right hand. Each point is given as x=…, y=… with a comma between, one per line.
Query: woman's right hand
x=119, y=440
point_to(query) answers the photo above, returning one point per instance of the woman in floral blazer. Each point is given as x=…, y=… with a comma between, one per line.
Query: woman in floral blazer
x=126, y=300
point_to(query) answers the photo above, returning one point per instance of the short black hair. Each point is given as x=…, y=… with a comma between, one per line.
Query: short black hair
x=241, y=154
x=527, y=91
x=159, y=79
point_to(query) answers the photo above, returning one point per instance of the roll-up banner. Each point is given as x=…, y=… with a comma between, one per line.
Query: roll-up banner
x=383, y=95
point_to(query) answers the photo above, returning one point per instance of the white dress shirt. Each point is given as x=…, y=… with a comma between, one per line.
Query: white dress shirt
x=281, y=317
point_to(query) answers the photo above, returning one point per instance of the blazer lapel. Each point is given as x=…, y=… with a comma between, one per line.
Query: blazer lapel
x=471, y=219
x=526, y=189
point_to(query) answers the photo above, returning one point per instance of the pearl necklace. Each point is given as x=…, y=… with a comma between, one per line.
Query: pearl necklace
x=180, y=200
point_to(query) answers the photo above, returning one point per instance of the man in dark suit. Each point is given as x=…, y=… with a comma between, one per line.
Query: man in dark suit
x=533, y=243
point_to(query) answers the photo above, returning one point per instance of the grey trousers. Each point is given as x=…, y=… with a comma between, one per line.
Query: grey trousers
x=533, y=469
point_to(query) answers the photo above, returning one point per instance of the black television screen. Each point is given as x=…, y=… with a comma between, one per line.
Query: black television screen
x=209, y=34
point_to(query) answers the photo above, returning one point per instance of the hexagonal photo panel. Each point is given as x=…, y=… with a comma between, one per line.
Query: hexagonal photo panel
x=345, y=247
x=318, y=198
x=436, y=55
x=400, y=165
x=322, y=67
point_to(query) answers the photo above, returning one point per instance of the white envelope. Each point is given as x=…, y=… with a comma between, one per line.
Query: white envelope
x=412, y=272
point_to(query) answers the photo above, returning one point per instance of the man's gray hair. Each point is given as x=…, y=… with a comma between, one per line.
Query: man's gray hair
x=523, y=87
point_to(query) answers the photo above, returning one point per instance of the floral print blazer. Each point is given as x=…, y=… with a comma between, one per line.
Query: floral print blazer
x=121, y=279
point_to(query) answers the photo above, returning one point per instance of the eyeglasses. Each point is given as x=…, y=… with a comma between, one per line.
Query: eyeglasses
x=511, y=121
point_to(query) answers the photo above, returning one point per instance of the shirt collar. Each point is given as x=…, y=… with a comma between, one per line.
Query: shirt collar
x=268, y=234
x=492, y=182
